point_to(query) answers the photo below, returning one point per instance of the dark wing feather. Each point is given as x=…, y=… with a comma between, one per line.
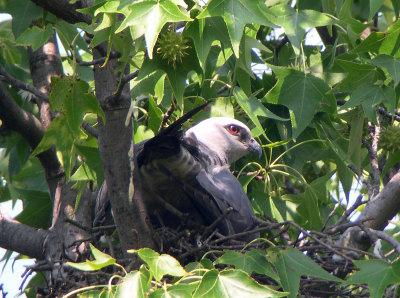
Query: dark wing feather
x=226, y=191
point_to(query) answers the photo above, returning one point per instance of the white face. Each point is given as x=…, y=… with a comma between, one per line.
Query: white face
x=230, y=139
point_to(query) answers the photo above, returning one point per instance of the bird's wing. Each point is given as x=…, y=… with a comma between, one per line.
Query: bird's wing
x=227, y=192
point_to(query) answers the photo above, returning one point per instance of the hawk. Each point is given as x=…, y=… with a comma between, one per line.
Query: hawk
x=187, y=173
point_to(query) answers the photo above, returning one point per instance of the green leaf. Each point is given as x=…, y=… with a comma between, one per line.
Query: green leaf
x=252, y=261
x=236, y=14
x=135, y=284
x=303, y=94
x=377, y=274
x=295, y=22
x=60, y=135
x=368, y=96
x=149, y=17
x=72, y=97
x=204, y=32
x=374, y=6
x=92, y=158
x=232, y=283
x=37, y=208
x=253, y=108
x=100, y=261
x=142, y=133
x=7, y=44
x=291, y=264
x=390, y=44
x=221, y=108
x=356, y=133
x=23, y=13
x=160, y=265
x=358, y=74
x=155, y=116
x=35, y=36
x=175, y=291
x=391, y=64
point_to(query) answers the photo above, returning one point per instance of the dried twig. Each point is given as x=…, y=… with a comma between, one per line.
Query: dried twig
x=216, y=222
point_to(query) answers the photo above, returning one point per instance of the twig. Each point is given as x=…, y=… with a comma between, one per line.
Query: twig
x=361, y=176
x=374, y=234
x=238, y=235
x=222, y=89
x=338, y=228
x=350, y=210
x=319, y=241
x=125, y=79
x=90, y=129
x=217, y=221
x=79, y=225
x=337, y=205
x=4, y=76
x=389, y=115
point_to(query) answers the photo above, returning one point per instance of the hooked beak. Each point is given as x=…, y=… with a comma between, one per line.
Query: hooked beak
x=254, y=148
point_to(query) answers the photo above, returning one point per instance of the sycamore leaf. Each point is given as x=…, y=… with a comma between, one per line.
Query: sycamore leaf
x=232, y=283
x=236, y=14
x=303, y=94
x=295, y=22
x=391, y=64
x=160, y=265
x=35, y=36
x=135, y=284
x=175, y=291
x=368, y=96
x=204, y=32
x=377, y=274
x=100, y=261
x=390, y=45
x=72, y=97
x=291, y=264
x=374, y=6
x=253, y=108
x=149, y=17
x=92, y=159
x=60, y=135
x=358, y=74
x=251, y=261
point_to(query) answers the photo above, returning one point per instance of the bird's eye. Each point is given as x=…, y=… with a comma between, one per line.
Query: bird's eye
x=233, y=129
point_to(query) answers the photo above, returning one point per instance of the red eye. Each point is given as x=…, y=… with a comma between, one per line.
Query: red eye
x=233, y=129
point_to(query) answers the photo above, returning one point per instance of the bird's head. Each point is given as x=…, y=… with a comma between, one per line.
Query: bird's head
x=228, y=138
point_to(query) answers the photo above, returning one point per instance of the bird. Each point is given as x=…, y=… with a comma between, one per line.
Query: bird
x=188, y=173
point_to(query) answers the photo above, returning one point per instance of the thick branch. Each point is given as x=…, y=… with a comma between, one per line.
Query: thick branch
x=376, y=215
x=4, y=76
x=384, y=206
x=116, y=151
x=65, y=10
x=17, y=119
x=21, y=238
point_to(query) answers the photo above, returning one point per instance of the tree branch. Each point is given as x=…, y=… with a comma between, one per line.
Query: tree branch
x=21, y=238
x=376, y=215
x=17, y=119
x=4, y=76
x=65, y=10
